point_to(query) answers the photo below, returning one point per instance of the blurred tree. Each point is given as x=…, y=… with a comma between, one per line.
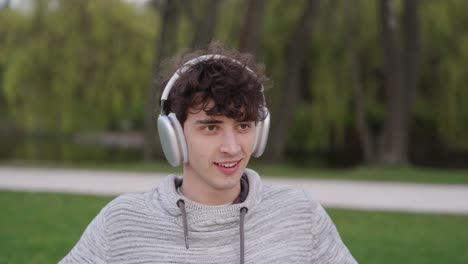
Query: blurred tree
x=365, y=77
x=249, y=39
x=323, y=113
x=205, y=23
x=11, y=22
x=394, y=144
x=80, y=68
x=441, y=103
x=400, y=75
x=352, y=75
x=164, y=47
x=295, y=60
x=367, y=141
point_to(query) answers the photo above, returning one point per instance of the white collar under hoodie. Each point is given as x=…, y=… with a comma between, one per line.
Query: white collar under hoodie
x=272, y=224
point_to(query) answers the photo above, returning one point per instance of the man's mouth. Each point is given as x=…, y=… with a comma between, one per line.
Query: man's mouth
x=228, y=167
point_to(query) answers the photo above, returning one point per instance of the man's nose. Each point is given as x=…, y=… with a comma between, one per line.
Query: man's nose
x=230, y=143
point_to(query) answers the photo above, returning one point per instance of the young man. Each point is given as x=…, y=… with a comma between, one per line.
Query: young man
x=213, y=119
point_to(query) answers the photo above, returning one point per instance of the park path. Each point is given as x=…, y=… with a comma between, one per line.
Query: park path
x=409, y=197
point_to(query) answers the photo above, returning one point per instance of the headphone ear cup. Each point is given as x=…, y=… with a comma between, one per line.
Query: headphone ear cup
x=180, y=137
x=172, y=139
x=261, y=137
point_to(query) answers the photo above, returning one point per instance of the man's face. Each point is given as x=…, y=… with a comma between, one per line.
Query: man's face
x=219, y=149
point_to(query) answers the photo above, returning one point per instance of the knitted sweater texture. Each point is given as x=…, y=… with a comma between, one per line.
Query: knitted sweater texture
x=282, y=225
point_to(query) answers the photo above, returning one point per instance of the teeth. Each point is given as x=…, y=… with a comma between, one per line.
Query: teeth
x=228, y=165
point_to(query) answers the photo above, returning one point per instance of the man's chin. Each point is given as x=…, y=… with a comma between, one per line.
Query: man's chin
x=224, y=181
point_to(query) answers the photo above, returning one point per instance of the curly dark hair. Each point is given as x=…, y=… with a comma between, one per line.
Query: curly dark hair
x=235, y=90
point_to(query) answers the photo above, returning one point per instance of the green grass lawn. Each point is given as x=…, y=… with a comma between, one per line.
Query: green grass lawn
x=367, y=173
x=390, y=237
x=42, y=227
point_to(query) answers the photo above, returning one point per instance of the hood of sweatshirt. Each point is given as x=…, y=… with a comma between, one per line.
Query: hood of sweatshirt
x=202, y=217
x=196, y=218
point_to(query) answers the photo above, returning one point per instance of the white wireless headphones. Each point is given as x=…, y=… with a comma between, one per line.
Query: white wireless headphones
x=170, y=130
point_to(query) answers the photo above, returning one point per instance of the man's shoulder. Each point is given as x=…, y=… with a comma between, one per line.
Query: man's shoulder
x=128, y=202
x=277, y=189
x=285, y=195
x=131, y=197
x=288, y=205
x=278, y=192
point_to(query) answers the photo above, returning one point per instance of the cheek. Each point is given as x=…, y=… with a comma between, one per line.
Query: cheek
x=199, y=148
x=248, y=142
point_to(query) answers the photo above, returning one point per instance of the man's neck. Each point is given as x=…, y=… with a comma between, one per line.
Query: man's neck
x=203, y=194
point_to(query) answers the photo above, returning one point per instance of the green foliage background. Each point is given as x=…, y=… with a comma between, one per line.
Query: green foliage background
x=70, y=65
x=79, y=65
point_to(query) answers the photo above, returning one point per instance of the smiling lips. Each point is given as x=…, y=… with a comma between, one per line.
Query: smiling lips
x=228, y=167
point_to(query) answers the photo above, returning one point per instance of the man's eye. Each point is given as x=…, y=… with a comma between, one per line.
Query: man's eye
x=210, y=128
x=244, y=126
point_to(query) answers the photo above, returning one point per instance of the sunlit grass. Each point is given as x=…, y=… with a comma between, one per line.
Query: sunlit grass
x=390, y=237
x=41, y=228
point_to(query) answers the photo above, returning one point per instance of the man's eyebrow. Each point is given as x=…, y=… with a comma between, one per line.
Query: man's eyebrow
x=208, y=121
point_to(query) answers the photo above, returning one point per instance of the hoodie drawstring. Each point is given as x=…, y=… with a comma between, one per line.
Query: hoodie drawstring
x=181, y=205
x=243, y=211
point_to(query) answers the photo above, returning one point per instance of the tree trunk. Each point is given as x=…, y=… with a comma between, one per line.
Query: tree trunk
x=294, y=60
x=362, y=126
x=163, y=49
x=207, y=24
x=393, y=146
x=252, y=29
x=412, y=49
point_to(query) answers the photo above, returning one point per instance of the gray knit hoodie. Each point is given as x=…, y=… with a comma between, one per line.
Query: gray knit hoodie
x=274, y=224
